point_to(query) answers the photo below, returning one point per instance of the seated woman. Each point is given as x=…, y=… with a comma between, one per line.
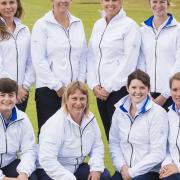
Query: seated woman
x=70, y=135
x=138, y=134
x=171, y=165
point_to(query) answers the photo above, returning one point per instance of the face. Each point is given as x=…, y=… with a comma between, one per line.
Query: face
x=137, y=91
x=175, y=92
x=159, y=7
x=8, y=8
x=7, y=102
x=76, y=104
x=111, y=7
x=61, y=6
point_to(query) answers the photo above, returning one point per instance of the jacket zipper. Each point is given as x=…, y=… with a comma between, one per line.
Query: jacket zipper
x=100, y=50
x=1, y=161
x=132, y=152
x=17, y=54
x=177, y=138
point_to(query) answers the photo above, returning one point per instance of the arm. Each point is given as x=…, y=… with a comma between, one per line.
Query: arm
x=39, y=57
x=50, y=142
x=132, y=40
x=96, y=161
x=158, y=132
x=114, y=144
x=28, y=153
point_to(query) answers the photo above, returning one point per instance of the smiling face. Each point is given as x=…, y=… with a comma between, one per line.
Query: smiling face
x=159, y=7
x=111, y=7
x=61, y=6
x=76, y=104
x=175, y=92
x=7, y=102
x=137, y=91
x=8, y=8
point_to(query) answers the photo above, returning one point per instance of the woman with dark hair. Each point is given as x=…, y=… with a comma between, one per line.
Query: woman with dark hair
x=160, y=50
x=15, y=59
x=138, y=132
x=59, y=56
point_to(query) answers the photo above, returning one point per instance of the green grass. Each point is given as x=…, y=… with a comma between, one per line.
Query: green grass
x=88, y=11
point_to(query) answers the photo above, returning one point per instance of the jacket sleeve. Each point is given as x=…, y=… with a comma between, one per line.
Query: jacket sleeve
x=83, y=59
x=3, y=73
x=132, y=40
x=91, y=71
x=96, y=161
x=1, y=175
x=141, y=61
x=39, y=57
x=28, y=152
x=51, y=139
x=29, y=78
x=158, y=131
x=176, y=67
x=114, y=144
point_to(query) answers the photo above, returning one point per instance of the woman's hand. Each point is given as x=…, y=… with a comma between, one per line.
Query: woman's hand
x=94, y=175
x=8, y=178
x=100, y=92
x=22, y=94
x=22, y=176
x=125, y=173
x=160, y=100
x=60, y=92
x=168, y=170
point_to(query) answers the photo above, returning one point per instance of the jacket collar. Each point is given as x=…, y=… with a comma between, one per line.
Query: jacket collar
x=171, y=21
x=49, y=17
x=85, y=120
x=124, y=105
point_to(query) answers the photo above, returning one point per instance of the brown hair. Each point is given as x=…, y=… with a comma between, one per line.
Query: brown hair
x=176, y=76
x=8, y=85
x=4, y=34
x=140, y=75
x=71, y=89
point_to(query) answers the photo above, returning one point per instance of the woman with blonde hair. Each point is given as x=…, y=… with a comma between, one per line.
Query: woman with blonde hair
x=70, y=135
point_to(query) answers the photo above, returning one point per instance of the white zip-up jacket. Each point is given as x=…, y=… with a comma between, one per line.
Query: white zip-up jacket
x=64, y=145
x=112, y=52
x=17, y=138
x=15, y=56
x=58, y=54
x=173, y=152
x=139, y=143
x=160, y=53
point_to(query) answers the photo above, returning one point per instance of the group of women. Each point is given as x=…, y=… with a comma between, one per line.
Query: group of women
x=56, y=55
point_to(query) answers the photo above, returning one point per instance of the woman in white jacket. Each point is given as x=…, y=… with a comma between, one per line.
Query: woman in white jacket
x=160, y=50
x=138, y=133
x=15, y=59
x=171, y=165
x=112, y=55
x=70, y=135
x=59, y=56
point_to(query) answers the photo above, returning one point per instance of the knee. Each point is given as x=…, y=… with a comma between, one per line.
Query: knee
x=105, y=175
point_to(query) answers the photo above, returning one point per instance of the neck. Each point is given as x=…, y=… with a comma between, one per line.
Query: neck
x=6, y=115
x=62, y=18
x=77, y=119
x=10, y=24
x=133, y=110
x=159, y=20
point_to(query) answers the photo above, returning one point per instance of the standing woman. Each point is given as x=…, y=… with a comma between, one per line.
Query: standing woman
x=112, y=56
x=59, y=56
x=138, y=134
x=15, y=60
x=171, y=166
x=160, y=50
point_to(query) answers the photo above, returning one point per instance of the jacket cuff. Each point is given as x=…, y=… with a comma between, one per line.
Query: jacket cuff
x=131, y=173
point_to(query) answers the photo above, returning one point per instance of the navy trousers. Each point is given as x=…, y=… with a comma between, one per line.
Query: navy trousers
x=82, y=173
x=47, y=103
x=10, y=170
x=106, y=108
x=173, y=177
x=148, y=176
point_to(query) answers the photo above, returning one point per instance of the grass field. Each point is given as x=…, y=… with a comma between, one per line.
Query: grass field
x=88, y=11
